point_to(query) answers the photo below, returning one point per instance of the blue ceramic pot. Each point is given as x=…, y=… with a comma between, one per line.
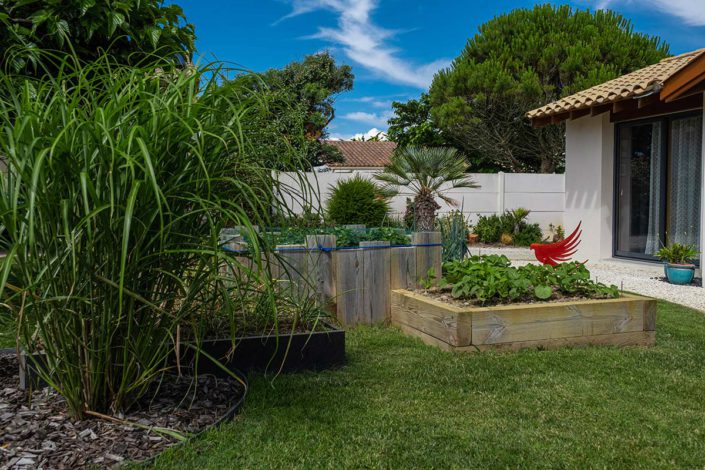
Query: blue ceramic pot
x=680, y=274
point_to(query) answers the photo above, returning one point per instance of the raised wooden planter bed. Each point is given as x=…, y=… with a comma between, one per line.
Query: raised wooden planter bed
x=627, y=321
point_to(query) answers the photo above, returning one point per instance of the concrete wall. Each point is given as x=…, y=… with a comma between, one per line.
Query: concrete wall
x=589, y=184
x=544, y=195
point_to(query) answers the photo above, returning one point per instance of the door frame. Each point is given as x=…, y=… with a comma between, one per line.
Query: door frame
x=665, y=121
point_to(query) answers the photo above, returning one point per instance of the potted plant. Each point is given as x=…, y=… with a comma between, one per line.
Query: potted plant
x=678, y=262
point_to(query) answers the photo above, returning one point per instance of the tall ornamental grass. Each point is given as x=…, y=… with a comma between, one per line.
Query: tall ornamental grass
x=118, y=183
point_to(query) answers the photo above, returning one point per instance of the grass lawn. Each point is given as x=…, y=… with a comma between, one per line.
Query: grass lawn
x=399, y=403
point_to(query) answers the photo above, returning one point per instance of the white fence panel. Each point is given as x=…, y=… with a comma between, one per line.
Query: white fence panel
x=543, y=194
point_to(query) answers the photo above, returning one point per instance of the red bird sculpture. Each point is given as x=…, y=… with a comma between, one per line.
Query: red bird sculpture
x=559, y=252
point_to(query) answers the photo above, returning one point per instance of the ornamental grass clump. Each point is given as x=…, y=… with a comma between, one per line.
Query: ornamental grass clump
x=119, y=181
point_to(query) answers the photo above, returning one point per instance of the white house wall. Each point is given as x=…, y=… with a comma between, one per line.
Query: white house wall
x=589, y=183
x=544, y=195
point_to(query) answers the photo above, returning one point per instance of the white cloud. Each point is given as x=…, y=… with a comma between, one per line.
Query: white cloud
x=374, y=119
x=692, y=12
x=374, y=132
x=366, y=43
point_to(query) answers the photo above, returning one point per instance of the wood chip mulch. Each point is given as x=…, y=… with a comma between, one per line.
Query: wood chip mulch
x=37, y=432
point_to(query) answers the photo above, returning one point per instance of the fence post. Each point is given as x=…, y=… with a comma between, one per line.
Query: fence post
x=348, y=286
x=403, y=265
x=427, y=257
x=501, y=189
x=376, y=281
x=319, y=267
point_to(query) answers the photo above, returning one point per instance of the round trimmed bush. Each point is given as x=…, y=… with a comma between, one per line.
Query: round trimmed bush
x=357, y=201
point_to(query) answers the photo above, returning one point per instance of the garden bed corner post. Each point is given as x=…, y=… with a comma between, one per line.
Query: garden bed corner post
x=428, y=255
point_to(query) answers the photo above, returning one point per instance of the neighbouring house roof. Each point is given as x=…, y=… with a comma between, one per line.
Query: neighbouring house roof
x=666, y=81
x=363, y=154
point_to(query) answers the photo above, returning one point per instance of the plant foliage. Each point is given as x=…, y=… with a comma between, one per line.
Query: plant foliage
x=428, y=172
x=357, y=201
x=130, y=30
x=492, y=279
x=297, y=103
x=491, y=228
x=117, y=187
x=345, y=237
x=454, y=235
x=524, y=59
x=678, y=253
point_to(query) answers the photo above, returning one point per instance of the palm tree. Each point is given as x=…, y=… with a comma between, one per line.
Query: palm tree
x=429, y=172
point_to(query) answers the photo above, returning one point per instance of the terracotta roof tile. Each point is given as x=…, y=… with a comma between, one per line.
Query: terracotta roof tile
x=360, y=154
x=632, y=84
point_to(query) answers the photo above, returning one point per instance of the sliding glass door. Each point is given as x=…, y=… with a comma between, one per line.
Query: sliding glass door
x=658, y=184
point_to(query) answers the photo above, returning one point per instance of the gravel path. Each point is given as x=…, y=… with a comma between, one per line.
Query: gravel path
x=641, y=278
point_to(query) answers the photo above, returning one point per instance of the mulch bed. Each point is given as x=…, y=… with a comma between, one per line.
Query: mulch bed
x=37, y=432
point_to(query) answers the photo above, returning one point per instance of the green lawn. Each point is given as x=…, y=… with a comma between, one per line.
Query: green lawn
x=399, y=403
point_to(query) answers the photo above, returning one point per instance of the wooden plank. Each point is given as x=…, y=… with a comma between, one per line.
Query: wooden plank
x=427, y=257
x=426, y=338
x=578, y=113
x=540, y=121
x=348, y=286
x=376, y=281
x=682, y=80
x=452, y=327
x=627, y=104
x=632, y=338
x=319, y=268
x=291, y=267
x=558, y=118
x=557, y=320
x=647, y=101
x=403, y=267
x=596, y=110
x=660, y=108
x=649, y=316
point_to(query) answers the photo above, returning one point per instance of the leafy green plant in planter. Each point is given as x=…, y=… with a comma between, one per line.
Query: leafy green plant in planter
x=118, y=185
x=492, y=279
x=357, y=201
x=454, y=235
x=678, y=265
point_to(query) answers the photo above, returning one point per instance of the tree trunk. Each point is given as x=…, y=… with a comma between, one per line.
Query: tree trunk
x=426, y=208
x=547, y=165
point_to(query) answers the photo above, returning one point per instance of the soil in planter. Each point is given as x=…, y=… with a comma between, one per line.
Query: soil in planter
x=445, y=296
x=36, y=431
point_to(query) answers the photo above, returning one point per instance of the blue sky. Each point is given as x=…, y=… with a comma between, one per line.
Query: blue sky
x=394, y=46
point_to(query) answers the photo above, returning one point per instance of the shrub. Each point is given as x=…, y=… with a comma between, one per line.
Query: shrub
x=492, y=279
x=528, y=234
x=357, y=201
x=490, y=229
